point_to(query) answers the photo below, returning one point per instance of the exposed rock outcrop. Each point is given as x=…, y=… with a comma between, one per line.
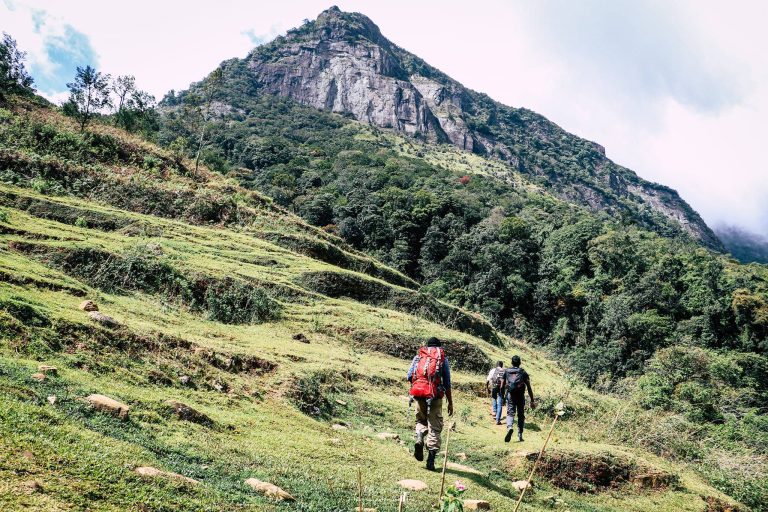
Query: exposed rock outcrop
x=342, y=63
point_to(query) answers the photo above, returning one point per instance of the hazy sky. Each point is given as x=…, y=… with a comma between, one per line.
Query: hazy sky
x=677, y=91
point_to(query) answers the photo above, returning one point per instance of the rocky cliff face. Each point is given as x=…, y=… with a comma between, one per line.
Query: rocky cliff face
x=341, y=62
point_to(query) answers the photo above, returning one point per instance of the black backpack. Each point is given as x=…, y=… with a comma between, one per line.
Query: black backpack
x=515, y=379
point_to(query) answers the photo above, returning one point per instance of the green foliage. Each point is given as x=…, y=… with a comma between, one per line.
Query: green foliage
x=235, y=302
x=452, y=500
x=88, y=95
x=14, y=77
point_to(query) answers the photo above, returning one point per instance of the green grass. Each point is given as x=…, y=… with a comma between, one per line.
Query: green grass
x=85, y=460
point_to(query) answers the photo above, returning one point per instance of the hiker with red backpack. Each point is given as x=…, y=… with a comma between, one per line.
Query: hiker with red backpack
x=430, y=378
x=515, y=382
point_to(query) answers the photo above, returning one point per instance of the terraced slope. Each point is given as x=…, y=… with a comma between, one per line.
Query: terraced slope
x=269, y=333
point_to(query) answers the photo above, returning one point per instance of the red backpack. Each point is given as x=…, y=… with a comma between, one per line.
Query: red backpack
x=425, y=381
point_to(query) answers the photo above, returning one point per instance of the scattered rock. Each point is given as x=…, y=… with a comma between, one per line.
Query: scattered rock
x=89, y=305
x=301, y=338
x=337, y=426
x=184, y=380
x=187, y=413
x=521, y=484
x=150, y=472
x=27, y=454
x=653, y=480
x=106, y=321
x=154, y=248
x=461, y=456
x=52, y=399
x=341, y=402
x=32, y=486
x=412, y=485
x=388, y=436
x=269, y=490
x=108, y=405
x=47, y=369
x=476, y=505
x=463, y=468
x=38, y=376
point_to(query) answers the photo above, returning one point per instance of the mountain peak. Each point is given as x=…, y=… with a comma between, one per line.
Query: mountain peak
x=342, y=63
x=334, y=23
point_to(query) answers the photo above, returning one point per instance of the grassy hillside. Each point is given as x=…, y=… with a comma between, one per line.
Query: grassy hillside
x=604, y=293
x=273, y=331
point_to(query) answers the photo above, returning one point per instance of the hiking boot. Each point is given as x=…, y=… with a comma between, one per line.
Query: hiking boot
x=418, y=448
x=508, y=436
x=498, y=423
x=431, y=460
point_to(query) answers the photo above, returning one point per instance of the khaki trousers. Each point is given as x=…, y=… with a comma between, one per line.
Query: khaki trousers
x=431, y=422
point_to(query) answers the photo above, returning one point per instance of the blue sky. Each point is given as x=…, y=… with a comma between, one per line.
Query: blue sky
x=677, y=91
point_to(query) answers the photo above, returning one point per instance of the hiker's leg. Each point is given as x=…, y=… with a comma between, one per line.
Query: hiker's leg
x=520, y=416
x=499, y=406
x=421, y=417
x=494, y=394
x=510, y=410
x=435, y=424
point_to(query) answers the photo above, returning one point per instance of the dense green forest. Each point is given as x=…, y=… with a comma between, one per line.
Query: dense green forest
x=604, y=293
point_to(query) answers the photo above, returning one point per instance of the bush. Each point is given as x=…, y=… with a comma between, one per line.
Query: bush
x=236, y=302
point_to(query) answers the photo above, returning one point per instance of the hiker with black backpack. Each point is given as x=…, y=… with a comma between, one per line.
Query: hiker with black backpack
x=515, y=382
x=492, y=384
x=430, y=378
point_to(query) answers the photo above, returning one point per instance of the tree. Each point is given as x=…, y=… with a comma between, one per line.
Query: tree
x=201, y=104
x=88, y=94
x=123, y=87
x=13, y=76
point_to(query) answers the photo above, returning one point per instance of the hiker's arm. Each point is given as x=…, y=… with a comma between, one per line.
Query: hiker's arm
x=446, y=378
x=409, y=377
x=530, y=393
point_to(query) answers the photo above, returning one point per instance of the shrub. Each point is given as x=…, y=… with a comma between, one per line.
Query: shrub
x=233, y=301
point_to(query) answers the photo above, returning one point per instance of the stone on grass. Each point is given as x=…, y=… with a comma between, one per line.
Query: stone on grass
x=32, y=486
x=338, y=426
x=184, y=379
x=52, y=399
x=412, y=485
x=521, y=484
x=476, y=505
x=463, y=468
x=653, y=480
x=187, y=413
x=106, y=321
x=150, y=472
x=89, y=305
x=301, y=338
x=388, y=436
x=461, y=456
x=47, y=369
x=108, y=405
x=38, y=376
x=341, y=402
x=269, y=490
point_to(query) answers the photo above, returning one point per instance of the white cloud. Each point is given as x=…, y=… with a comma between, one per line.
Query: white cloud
x=675, y=91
